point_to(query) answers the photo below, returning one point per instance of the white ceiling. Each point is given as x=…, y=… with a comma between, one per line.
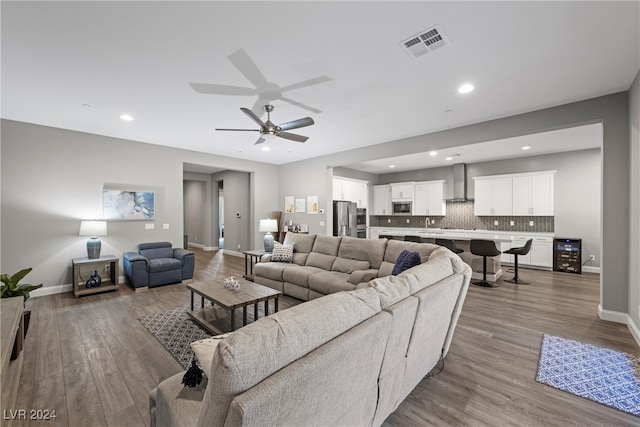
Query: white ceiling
x=140, y=58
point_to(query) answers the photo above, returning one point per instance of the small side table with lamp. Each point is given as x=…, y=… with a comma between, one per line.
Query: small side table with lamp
x=87, y=272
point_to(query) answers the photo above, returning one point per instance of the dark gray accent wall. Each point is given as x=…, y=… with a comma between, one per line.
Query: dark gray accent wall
x=237, y=215
x=610, y=110
x=634, y=200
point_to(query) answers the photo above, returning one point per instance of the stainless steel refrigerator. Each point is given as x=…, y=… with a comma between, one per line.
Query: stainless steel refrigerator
x=344, y=218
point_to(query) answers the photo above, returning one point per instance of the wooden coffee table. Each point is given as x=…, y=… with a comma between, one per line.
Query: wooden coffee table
x=229, y=300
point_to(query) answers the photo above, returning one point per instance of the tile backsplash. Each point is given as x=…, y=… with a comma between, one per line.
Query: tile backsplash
x=460, y=215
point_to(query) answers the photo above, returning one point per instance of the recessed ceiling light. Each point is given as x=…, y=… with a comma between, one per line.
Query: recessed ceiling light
x=126, y=117
x=448, y=111
x=433, y=153
x=265, y=148
x=465, y=88
x=86, y=105
x=392, y=166
x=526, y=147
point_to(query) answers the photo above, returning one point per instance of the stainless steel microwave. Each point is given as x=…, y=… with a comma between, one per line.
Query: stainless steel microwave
x=401, y=208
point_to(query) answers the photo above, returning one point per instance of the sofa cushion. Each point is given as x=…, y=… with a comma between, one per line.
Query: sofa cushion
x=302, y=242
x=327, y=245
x=282, y=253
x=258, y=350
x=346, y=265
x=359, y=276
x=319, y=260
x=405, y=261
x=270, y=270
x=371, y=250
x=329, y=282
x=157, y=265
x=299, y=275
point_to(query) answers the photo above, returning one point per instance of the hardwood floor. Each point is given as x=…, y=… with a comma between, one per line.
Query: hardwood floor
x=91, y=360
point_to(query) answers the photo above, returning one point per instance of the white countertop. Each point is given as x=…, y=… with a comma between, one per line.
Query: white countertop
x=457, y=234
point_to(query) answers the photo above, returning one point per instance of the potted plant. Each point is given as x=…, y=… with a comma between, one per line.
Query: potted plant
x=11, y=288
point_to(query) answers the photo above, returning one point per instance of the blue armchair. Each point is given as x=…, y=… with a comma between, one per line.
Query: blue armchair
x=157, y=264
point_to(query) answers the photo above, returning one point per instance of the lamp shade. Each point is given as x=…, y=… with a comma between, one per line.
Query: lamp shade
x=93, y=228
x=268, y=225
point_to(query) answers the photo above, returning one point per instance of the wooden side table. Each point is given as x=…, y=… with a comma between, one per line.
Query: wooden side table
x=107, y=268
x=250, y=258
x=11, y=334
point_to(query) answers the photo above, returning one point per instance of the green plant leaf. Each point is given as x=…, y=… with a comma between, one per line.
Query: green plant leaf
x=20, y=275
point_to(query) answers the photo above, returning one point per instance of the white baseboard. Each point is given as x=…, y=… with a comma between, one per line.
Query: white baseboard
x=619, y=317
x=61, y=289
x=203, y=247
x=232, y=253
x=588, y=269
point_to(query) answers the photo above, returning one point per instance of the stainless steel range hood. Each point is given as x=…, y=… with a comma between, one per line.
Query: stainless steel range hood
x=460, y=183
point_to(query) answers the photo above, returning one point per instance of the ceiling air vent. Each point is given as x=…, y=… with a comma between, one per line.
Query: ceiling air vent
x=425, y=42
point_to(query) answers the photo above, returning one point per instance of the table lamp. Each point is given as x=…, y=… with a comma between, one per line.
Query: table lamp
x=268, y=225
x=93, y=229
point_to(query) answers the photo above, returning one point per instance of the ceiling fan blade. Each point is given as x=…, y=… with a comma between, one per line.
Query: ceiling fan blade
x=306, y=83
x=240, y=130
x=260, y=140
x=248, y=68
x=298, y=104
x=293, y=136
x=295, y=124
x=252, y=116
x=213, y=89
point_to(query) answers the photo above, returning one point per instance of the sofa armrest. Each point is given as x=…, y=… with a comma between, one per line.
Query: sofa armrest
x=266, y=258
x=188, y=262
x=136, y=269
x=359, y=276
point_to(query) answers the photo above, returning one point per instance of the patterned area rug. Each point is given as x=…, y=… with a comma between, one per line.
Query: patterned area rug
x=602, y=375
x=175, y=330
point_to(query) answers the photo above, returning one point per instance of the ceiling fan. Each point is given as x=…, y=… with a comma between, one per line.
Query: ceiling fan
x=268, y=128
x=265, y=90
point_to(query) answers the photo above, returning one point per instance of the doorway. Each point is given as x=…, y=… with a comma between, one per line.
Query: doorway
x=220, y=215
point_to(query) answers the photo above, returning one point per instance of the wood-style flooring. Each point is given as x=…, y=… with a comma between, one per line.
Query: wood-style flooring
x=91, y=360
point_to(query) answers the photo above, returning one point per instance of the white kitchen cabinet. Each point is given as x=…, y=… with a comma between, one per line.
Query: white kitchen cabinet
x=402, y=191
x=374, y=233
x=352, y=190
x=429, y=198
x=540, y=255
x=493, y=196
x=381, y=200
x=533, y=194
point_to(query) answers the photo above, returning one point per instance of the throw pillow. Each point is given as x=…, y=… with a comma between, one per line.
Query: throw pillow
x=405, y=261
x=282, y=253
x=204, y=350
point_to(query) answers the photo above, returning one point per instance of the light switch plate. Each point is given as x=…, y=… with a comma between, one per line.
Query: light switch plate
x=321, y=223
x=165, y=226
x=149, y=226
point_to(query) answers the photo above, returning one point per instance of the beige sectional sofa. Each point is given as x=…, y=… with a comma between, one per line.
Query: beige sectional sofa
x=346, y=359
x=324, y=265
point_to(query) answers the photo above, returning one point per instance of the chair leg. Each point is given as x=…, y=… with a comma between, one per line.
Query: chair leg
x=484, y=282
x=516, y=279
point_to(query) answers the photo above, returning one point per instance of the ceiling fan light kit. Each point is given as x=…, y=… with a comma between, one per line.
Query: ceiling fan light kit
x=269, y=128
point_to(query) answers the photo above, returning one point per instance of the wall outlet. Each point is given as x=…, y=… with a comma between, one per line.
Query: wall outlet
x=531, y=224
x=388, y=220
x=592, y=257
x=408, y=221
x=107, y=268
x=433, y=221
x=512, y=223
x=495, y=223
x=238, y=246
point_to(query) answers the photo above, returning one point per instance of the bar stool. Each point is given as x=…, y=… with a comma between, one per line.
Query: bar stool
x=522, y=250
x=449, y=244
x=484, y=248
x=416, y=239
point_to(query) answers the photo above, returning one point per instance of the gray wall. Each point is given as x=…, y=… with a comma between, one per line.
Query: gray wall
x=238, y=231
x=195, y=206
x=53, y=178
x=634, y=222
x=611, y=110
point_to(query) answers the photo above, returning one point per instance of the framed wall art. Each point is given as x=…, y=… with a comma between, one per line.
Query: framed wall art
x=128, y=205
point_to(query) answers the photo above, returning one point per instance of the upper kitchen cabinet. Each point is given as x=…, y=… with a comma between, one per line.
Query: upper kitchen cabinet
x=352, y=190
x=533, y=194
x=429, y=198
x=493, y=196
x=381, y=200
x=402, y=191
x=524, y=194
